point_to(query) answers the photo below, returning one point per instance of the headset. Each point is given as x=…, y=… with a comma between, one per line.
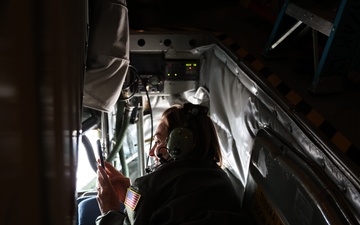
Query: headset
x=180, y=143
x=181, y=140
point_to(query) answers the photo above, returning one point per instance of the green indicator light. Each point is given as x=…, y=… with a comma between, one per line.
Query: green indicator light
x=194, y=64
x=175, y=74
x=188, y=64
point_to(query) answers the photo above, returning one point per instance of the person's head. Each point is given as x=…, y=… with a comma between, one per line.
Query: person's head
x=195, y=119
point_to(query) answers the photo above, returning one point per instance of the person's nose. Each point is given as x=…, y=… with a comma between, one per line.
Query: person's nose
x=152, y=151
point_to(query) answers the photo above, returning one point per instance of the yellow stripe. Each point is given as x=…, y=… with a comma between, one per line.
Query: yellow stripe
x=242, y=52
x=341, y=142
x=315, y=118
x=274, y=80
x=257, y=65
x=216, y=33
x=293, y=97
x=228, y=41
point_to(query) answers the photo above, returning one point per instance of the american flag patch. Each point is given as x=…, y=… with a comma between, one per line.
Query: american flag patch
x=132, y=198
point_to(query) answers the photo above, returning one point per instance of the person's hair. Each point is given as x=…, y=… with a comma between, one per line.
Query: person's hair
x=195, y=118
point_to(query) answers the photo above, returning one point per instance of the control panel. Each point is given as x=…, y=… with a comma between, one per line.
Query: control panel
x=182, y=69
x=153, y=84
x=166, y=62
x=156, y=74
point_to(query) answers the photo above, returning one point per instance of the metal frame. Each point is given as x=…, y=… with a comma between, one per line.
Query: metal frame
x=341, y=27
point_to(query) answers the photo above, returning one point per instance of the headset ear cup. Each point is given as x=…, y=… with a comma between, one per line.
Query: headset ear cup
x=180, y=142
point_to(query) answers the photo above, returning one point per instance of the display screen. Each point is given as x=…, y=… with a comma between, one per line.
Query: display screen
x=148, y=64
x=182, y=69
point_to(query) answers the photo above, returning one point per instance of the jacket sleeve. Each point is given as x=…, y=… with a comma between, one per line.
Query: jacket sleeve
x=111, y=218
x=108, y=53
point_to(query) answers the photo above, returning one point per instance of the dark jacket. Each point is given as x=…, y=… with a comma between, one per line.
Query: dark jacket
x=184, y=192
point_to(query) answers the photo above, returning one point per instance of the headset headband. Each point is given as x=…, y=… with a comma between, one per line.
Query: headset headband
x=195, y=109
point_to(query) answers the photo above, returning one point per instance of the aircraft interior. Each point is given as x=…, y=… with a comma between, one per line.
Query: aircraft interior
x=281, y=85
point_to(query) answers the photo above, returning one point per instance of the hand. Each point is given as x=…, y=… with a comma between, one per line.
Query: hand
x=107, y=197
x=118, y=181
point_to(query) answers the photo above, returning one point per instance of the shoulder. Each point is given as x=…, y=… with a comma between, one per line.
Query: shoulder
x=183, y=173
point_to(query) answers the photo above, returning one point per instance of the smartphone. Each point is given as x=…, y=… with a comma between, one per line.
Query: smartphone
x=100, y=153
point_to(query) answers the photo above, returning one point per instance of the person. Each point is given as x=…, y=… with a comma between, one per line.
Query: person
x=186, y=185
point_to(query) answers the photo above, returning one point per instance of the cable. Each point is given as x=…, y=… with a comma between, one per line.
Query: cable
x=90, y=152
x=136, y=73
x=134, y=83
